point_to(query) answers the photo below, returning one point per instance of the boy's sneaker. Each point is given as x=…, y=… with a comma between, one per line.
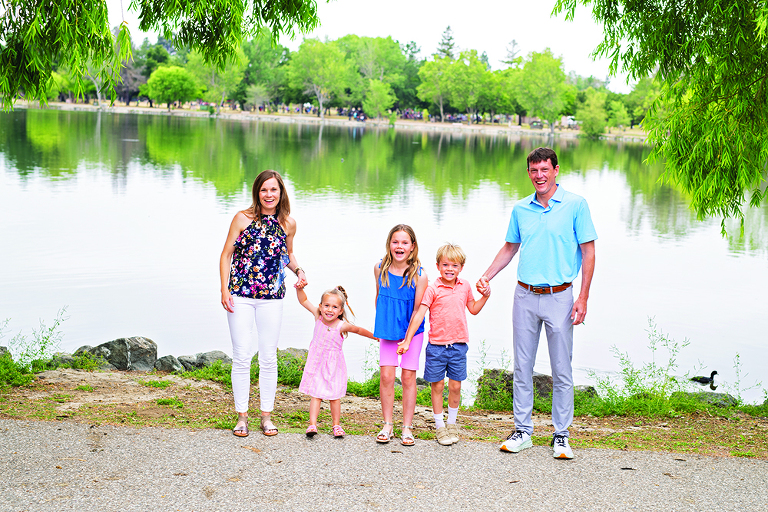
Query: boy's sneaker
x=560, y=448
x=453, y=430
x=444, y=437
x=516, y=441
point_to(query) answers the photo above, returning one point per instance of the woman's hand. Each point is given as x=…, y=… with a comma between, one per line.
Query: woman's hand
x=302, y=282
x=227, y=301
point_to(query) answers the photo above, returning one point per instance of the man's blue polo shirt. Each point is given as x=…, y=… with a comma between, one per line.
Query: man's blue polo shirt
x=549, y=237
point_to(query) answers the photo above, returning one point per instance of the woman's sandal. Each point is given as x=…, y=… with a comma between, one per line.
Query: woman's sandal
x=338, y=431
x=407, y=439
x=386, y=433
x=267, y=427
x=311, y=430
x=241, y=430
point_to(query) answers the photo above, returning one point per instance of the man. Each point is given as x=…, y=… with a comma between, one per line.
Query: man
x=554, y=233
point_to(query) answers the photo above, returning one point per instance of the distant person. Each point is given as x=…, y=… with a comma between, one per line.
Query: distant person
x=400, y=286
x=325, y=373
x=554, y=233
x=446, y=299
x=259, y=246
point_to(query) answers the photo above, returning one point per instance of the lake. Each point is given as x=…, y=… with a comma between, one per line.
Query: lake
x=121, y=218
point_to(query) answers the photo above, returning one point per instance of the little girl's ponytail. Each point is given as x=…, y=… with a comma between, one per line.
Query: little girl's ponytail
x=346, y=300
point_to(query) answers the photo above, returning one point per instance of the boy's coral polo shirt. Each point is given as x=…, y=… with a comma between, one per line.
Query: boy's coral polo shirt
x=447, y=318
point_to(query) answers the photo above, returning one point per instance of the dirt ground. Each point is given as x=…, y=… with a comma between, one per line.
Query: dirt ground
x=153, y=399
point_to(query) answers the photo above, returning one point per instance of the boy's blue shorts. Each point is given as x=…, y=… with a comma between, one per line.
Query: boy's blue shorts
x=442, y=360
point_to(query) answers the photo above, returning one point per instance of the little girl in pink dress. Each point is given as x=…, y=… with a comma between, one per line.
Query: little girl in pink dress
x=325, y=374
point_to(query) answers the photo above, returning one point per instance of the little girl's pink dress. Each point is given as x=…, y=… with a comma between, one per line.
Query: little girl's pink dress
x=325, y=374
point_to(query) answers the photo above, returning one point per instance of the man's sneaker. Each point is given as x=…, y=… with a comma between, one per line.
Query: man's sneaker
x=560, y=448
x=516, y=441
x=453, y=430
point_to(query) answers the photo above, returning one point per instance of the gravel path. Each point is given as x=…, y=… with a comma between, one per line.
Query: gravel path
x=70, y=466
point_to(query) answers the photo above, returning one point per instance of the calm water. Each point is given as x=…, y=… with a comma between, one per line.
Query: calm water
x=122, y=219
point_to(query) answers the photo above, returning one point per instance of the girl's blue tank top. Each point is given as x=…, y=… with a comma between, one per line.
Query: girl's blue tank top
x=394, y=307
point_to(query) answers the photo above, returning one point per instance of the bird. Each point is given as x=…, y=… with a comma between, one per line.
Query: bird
x=704, y=380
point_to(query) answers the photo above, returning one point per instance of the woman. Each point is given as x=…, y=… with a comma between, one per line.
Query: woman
x=259, y=245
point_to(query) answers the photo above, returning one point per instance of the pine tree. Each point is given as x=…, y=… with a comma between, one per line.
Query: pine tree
x=447, y=44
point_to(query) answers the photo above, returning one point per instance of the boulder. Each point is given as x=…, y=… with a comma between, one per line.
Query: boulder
x=542, y=384
x=716, y=399
x=136, y=353
x=498, y=380
x=188, y=362
x=84, y=348
x=168, y=364
x=105, y=365
x=60, y=359
x=586, y=390
x=208, y=358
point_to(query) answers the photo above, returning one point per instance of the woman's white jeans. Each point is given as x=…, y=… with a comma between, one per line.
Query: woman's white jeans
x=266, y=315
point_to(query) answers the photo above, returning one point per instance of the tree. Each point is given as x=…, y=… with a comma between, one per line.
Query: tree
x=36, y=33
x=318, y=69
x=169, y=84
x=267, y=64
x=513, y=51
x=541, y=87
x=619, y=117
x=378, y=99
x=709, y=123
x=216, y=83
x=591, y=114
x=642, y=97
x=447, y=46
x=434, y=86
x=467, y=79
x=257, y=94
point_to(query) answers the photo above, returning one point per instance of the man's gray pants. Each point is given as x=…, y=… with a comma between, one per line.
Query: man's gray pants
x=529, y=312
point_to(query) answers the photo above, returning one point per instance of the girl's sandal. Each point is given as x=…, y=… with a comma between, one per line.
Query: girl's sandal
x=338, y=431
x=311, y=430
x=407, y=439
x=385, y=434
x=267, y=427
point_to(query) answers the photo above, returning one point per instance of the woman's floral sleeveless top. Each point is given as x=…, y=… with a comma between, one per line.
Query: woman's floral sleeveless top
x=258, y=261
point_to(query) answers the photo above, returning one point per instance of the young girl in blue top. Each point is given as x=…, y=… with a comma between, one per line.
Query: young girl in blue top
x=400, y=284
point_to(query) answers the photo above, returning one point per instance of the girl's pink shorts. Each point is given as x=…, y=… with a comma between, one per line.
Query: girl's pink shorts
x=408, y=361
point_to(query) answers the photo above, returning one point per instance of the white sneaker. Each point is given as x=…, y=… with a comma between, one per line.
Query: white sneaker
x=516, y=441
x=560, y=448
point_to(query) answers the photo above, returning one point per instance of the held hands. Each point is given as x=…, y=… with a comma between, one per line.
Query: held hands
x=402, y=347
x=302, y=282
x=483, y=286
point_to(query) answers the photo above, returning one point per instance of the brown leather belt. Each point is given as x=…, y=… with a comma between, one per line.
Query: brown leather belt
x=545, y=289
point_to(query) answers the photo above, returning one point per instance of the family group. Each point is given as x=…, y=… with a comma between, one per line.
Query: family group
x=552, y=230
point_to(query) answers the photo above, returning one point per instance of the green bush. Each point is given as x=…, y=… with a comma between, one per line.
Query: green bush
x=369, y=388
x=289, y=369
x=217, y=372
x=12, y=373
x=87, y=361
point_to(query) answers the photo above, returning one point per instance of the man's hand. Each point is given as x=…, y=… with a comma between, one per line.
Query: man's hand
x=579, y=312
x=483, y=286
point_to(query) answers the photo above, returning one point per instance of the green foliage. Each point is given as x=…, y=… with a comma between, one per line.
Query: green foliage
x=169, y=84
x=36, y=352
x=320, y=70
x=85, y=387
x=618, y=117
x=153, y=383
x=379, y=98
x=217, y=372
x=215, y=83
x=541, y=87
x=256, y=95
x=12, y=373
x=435, y=82
x=710, y=120
x=369, y=388
x=86, y=361
x=171, y=402
x=289, y=369
x=592, y=114
x=424, y=397
x=467, y=78
x=447, y=46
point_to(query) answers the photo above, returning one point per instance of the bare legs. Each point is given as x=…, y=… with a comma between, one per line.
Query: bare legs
x=387, y=393
x=314, y=410
x=454, y=395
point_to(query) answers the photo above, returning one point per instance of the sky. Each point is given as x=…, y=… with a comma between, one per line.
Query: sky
x=483, y=25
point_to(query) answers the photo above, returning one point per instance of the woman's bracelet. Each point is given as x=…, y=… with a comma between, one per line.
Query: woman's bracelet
x=296, y=271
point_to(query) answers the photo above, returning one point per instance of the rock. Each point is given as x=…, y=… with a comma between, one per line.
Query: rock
x=84, y=348
x=586, y=390
x=421, y=382
x=716, y=399
x=169, y=364
x=60, y=359
x=136, y=353
x=496, y=380
x=298, y=353
x=542, y=384
x=4, y=351
x=208, y=358
x=188, y=362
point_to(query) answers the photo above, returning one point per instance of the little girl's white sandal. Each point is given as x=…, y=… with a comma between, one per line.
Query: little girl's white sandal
x=385, y=434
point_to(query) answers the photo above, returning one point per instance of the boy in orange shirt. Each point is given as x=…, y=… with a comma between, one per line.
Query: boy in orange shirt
x=445, y=299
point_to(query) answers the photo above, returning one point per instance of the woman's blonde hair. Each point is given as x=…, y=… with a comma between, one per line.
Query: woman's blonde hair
x=341, y=293
x=412, y=272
